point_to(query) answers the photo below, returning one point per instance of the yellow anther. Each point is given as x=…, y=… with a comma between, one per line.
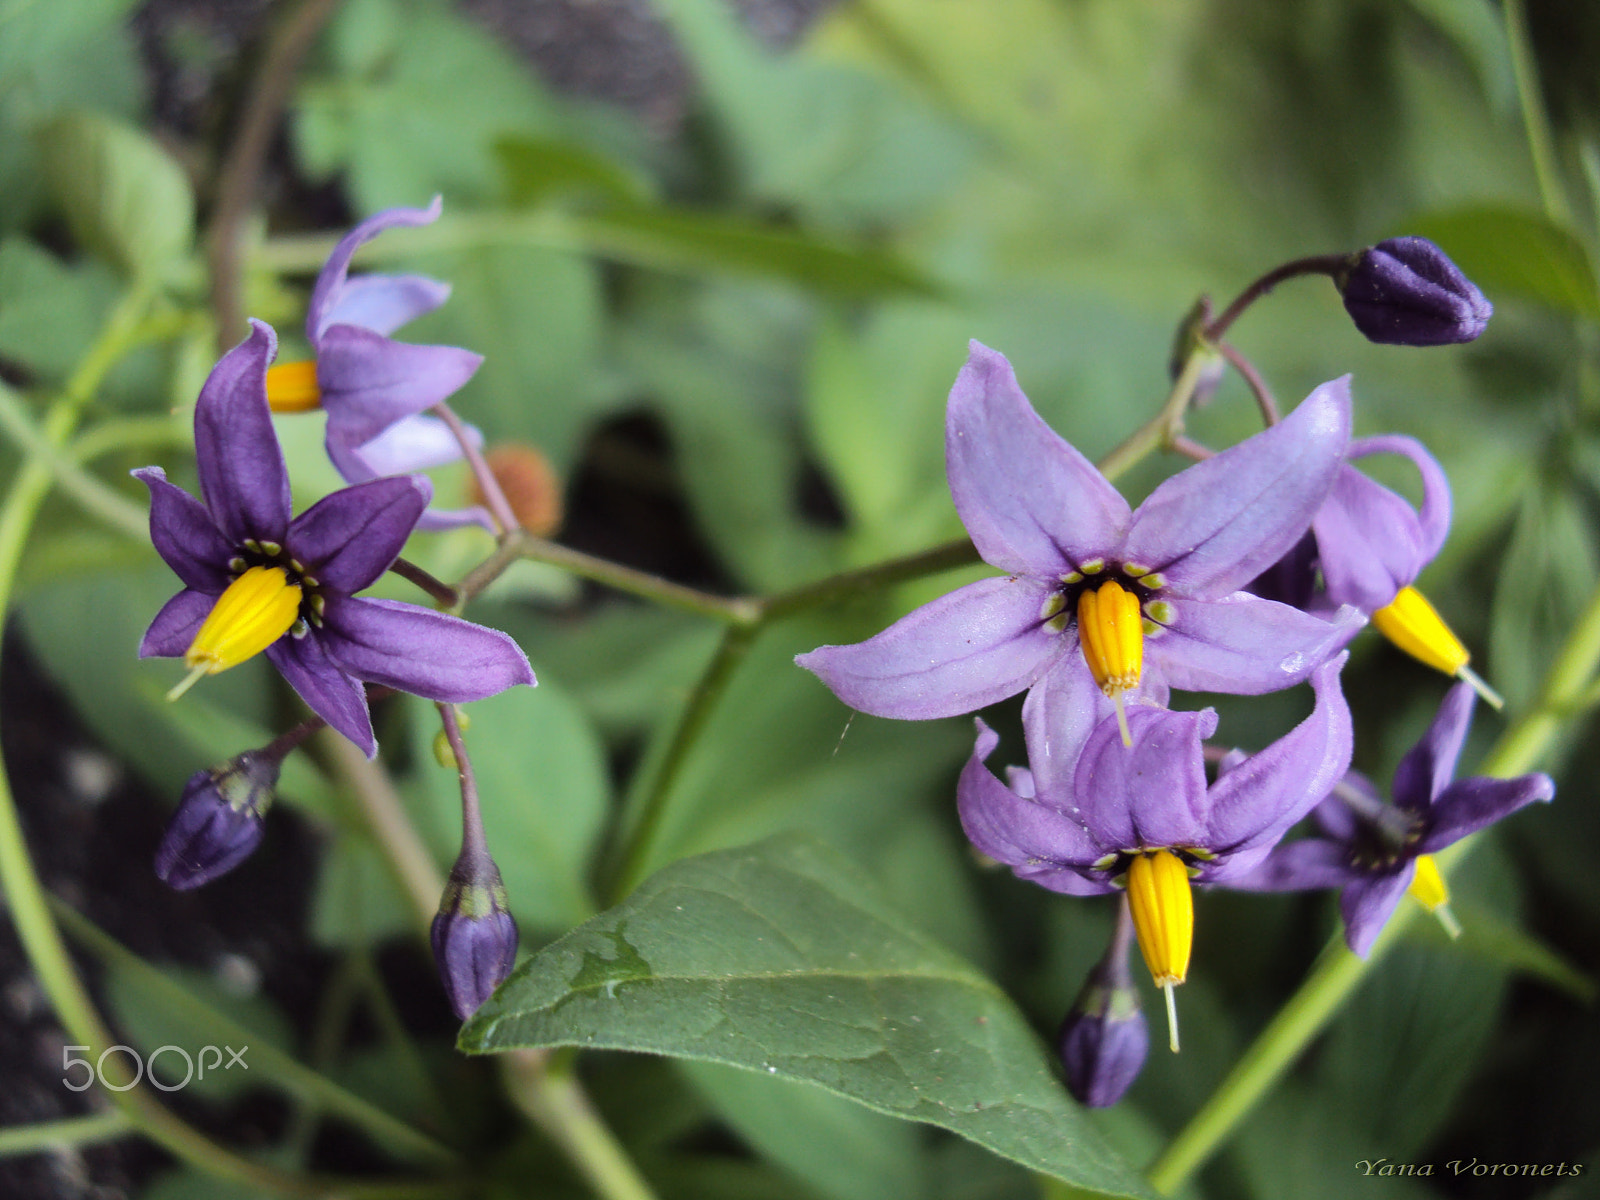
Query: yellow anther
x=1411, y=623
x=292, y=387
x=1111, y=631
x=1163, y=920
x=1428, y=889
x=256, y=610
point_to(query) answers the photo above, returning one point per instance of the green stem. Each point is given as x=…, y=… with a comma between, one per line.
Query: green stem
x=1160, y=430
x=1541, y=145
x=292, y=1076
x=70, y=1131
x=93, y=496
x=1337, y=972
x=544, y=1088
x=639, y=840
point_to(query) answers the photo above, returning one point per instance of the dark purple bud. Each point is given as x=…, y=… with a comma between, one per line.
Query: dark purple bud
x=1104, y=1040
x=218, y=822
x=474, y=936
x=1407, y=292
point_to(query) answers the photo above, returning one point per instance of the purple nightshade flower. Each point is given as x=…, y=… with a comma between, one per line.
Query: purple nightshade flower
x=373, y=388
x=218, y=821
x=1141, y=817
x=1161, y=581
x=473, y=934
x=255, y=579
x=1407, y=292
x=1376, y=851
x=1105, y=1039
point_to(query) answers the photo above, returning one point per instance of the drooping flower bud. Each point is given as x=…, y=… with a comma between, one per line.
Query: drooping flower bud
x=1104, y=1039
x=218, y=822
x=1407, y=292
x=474, y=936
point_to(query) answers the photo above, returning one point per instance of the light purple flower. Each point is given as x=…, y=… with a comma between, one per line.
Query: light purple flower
x=332, y=550
x=1041, y=512
x=1078, y=834
x=1370, y=848
x=374, y=388
x=1366, y=542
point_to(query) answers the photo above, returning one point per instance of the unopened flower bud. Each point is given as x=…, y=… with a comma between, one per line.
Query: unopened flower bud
x=218, y=823
x=1104, y=1039
x=474, y=936
x=1407, y=292
x=530, y=484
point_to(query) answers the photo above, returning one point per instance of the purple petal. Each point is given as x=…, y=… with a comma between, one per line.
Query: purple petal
x=185, y=535
x=1214, y=527
x=180, y=618
x=1430, y=765
x=369, y=381
x=1335, y=817
x=1434, y=516
x=1151, y=794
x=1256, y=803
x=1299, y=866
x=1032, y=504
x=1369, y=542
x=330, y=284
x=971, y=647
x=1060, y=712
x=1014, y=830
x=429, y=654
x=1369, y=902
x=327, y=688
x=350, y=537
x=1245, y=645
x=383, y=303
x=242, y=476
x=1467, y=806
x=391, y=451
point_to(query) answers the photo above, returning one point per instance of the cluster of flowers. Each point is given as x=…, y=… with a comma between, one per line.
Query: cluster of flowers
x=1247, y=573
x=259, y=579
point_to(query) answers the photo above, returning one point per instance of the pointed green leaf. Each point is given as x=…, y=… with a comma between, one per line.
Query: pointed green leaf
x=124, y=196
x=779, y=958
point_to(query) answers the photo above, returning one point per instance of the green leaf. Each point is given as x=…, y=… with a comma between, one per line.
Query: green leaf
x=544, y=792
x=779, y=958
x=1517, y=252
x=1487, y=934
x=682, y=240
x=48, y=311
x=124, y=196
x=537, y=169
x=417, y=100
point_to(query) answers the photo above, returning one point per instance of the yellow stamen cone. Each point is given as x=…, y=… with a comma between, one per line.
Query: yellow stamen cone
x=1428, y=889
x=1163, y=919
x=1111, y=632
x=256, y=610
x=1412, y=624
x=292, y=387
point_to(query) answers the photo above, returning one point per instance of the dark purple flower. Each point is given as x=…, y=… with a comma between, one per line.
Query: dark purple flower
x=374, y=388
x=474, y=936
x=1407, y=292
x=1105, y=1039
x=218, y=821
x=255, y=578
x=1161, y=581
x=1375, y=851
